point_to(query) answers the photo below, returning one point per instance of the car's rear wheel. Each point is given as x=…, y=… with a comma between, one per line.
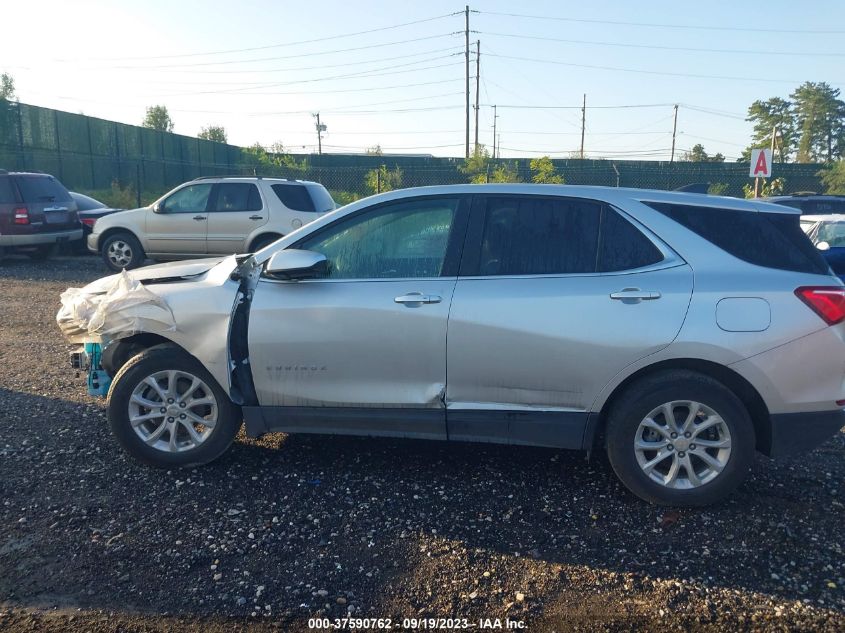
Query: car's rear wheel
x=122, y=251
x=680, y=438
x=166, y=410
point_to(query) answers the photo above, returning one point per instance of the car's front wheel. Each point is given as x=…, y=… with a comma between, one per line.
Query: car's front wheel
x=122, y=251
x=166, y=410
x=680, y=438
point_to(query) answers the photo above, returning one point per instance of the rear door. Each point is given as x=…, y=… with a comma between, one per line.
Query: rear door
x=556, y=295
x=180, y=223
x=236, y=209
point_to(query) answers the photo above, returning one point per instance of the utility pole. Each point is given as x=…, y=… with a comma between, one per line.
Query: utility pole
x=495, y=116
x=466, y=55
x=320, y=129
x=477, y=80
x=583, y=124
x=674, y=133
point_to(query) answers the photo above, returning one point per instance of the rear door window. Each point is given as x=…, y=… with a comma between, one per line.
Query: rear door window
x=42, y=189
x=237, y=196
x=622, y=246
x=534, y=235
x=295, y=197
x=773, y=240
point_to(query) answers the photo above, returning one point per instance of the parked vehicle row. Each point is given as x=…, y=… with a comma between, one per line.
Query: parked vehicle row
x=672, y=330
x=205, y=216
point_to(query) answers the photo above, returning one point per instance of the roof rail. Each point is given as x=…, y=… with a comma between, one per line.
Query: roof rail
x=226, y=176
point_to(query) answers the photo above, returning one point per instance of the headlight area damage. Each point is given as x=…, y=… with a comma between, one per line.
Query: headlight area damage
x=201, y=306
x=112, y=308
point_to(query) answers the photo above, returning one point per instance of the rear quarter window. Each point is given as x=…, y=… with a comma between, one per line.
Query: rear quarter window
x=7, y=191
x=773, y=240
x=294, y=197
x=39, y=189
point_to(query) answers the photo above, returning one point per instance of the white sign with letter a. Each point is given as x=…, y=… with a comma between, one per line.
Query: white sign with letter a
x=761, y=163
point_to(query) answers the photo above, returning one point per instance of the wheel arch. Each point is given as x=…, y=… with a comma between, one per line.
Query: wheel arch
x=118, y=352
x=275, y=235
x=115, y=230
x=740, y=386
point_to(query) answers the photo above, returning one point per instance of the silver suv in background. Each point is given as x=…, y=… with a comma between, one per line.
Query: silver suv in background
x=209, y=216
x=678, y=332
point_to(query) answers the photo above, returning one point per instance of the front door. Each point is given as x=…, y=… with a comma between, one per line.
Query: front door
x=363, y=350
x=235, y=211
x=180, y=223
x=556, y=296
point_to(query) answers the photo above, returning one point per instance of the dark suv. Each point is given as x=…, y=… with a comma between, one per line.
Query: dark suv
x=811, y=203
x=36, y=214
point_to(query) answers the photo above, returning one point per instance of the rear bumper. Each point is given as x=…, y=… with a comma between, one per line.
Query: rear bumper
x=798, y=432
x=35, y=239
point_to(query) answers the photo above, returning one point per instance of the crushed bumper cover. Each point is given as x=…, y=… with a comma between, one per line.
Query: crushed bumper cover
x=792, y=433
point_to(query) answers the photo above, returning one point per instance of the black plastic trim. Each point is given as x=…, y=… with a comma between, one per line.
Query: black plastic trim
x=792, y=433
x=557, y=429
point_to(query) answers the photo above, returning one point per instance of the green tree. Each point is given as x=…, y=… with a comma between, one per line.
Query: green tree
x=698, y=155
x=215, y=133
x=158, y=118
x=833, y=178
x=773, y=187
x=717, y=188
x=505, y=172
x=275, y=162
x=375, y=150
x=820, y=122
x=543, y=171
x=767, y=116
x=7, y=87
x=476, y=166
x=383, y=179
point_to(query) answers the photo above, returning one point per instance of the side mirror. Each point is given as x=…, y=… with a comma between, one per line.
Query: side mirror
x=294, y=264
x=158, y=207
x=823, y=246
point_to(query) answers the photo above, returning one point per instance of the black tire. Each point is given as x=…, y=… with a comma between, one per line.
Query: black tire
x=651, y=392
x=148, y=362
x=129, y=247
x=263, y=240
x=42, y=252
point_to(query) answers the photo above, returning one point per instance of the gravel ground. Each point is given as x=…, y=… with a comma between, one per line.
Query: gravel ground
x=292, y=527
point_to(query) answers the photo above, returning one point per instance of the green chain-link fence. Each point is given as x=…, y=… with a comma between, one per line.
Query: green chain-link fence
x=89, y=154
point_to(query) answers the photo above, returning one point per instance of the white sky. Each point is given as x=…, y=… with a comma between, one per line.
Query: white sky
x=403, y=87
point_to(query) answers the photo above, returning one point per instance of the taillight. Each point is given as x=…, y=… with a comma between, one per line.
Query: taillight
x=826, y=301
x=88, y=221
x=21, y=215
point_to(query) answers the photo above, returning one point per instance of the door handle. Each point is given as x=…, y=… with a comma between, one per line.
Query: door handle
x=417, y=298
x=199, y=217
x=256, y=217
x=634, y=295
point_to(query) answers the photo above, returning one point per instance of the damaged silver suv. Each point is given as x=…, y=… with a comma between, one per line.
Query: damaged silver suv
x=679, y=332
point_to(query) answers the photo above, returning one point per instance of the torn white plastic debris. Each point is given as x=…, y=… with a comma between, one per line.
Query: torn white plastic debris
x=112, y=308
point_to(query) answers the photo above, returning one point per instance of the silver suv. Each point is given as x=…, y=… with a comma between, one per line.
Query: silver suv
x=679, y=332
x=209, y=216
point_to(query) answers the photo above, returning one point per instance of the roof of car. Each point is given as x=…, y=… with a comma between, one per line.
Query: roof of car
x=605, y=194
x=254, y=178
x=829, y=217
x=805, y=196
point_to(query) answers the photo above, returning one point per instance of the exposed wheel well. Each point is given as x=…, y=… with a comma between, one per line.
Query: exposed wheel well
x=264, y=237
x=754, y=404
x=117, y=353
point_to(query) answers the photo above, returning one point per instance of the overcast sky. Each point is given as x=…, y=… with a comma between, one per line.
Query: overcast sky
x=401, y=85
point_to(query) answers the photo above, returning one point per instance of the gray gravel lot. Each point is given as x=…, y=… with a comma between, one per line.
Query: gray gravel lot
x=289, y=527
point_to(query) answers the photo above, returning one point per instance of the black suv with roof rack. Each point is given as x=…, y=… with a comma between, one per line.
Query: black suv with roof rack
x=36, y=213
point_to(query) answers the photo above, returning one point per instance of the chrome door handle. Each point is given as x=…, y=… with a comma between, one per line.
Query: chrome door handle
x=634, y=295
x=256, y=217
x=199, y=217
x=417, y=298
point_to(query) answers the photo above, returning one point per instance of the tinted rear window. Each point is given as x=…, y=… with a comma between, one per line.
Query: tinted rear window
x=84, y=203
x=42, y=189
x=237, y=196
x=7, y=193
x=774, y=240
x=294, y=197
x=323, y=200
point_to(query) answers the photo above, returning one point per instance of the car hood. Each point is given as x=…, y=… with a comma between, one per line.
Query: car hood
x=169, y=270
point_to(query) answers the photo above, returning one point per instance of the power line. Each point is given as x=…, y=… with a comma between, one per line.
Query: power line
x=590, y=107
x=269, y=46
x=648, y=72
x=667, y=48
x=666, y=26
